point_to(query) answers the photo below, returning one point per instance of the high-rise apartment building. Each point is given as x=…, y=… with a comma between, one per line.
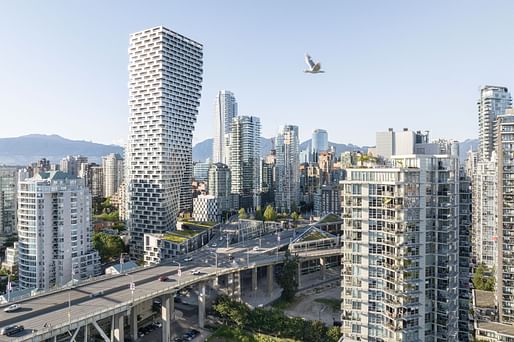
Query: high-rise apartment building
x=8, y=181
x=319, y=143
x=220, y=183
x=54, y=231
x=201, y=171
x=225, y=109
x=288, y=168
x=485, y=214
x=244, y=160
x=465, y=212
x=113, y=173
x=165, y=76
x=493, y=101
x=71, y=164
x=400, y=273
x=505, y=205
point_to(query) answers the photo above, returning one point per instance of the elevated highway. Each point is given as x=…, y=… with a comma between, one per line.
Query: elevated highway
x=66, y=311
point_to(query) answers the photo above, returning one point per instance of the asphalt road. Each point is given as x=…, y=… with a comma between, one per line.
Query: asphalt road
x=54, y=309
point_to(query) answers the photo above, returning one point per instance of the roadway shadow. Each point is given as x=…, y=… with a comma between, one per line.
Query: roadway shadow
x=22, y=309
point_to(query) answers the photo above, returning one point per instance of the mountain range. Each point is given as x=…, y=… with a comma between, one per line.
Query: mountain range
x=29, y=148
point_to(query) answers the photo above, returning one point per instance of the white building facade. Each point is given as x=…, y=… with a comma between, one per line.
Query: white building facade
x=244, y=160
x=113, y=173
x=287, y=168
x=400, y=273
x=165, y=76
x=54, y=231
x=225, y=109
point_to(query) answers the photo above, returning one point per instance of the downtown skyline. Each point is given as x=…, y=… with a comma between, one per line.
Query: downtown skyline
x=394, y=90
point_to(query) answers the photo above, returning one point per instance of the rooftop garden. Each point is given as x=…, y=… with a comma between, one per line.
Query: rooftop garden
x=330, y=218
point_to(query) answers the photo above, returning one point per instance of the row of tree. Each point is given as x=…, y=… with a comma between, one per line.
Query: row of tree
x=269, y=214
x=273, y=322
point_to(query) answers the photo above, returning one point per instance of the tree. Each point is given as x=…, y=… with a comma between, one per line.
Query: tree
x=258, y=214
x=481, y=280
x=288, y=278
x=242, y=214
x=108, y=246
x=270, y=214
x=333, y=334
x=295, y=216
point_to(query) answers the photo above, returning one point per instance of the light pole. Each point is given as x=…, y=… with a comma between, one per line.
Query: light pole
x=179, y=272
x=216, y=256
x=122, y=262
x=9, y=287
x=132, y=287
x=69, y=292
x=248, y=257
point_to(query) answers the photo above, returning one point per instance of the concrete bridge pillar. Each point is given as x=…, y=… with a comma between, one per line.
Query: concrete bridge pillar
x=299, y=274
x=236, y=286
x=167, y=306
x=201, y=305
x=133, y=323
x=322, y=268
x=118, y=333
x=254, y=279
x=269, y=278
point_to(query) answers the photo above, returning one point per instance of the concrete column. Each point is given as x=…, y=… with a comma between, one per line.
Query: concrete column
x=299, y=274
x=269, y=277
x=322, y=268
x=133, y=323
x=86, y=332
x=118, y=331
x=254, y=279
x=236, y=286
x=201, y=305
x=166, y=317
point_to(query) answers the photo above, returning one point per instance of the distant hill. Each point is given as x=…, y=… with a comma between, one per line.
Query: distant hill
x=203, y=150
x=29, y=148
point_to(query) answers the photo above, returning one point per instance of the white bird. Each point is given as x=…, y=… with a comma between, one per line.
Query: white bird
x=314, y=68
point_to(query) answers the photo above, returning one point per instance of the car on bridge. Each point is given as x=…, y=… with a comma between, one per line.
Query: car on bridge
x=164, y=278
x=195, y=272
x=11, y=330
x=188, y=259
x=12, y=308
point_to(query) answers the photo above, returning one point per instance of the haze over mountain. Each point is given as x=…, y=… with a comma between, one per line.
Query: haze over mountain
x=29, y=148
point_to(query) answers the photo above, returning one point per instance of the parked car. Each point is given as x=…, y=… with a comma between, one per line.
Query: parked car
x=157, y=324
x=11, y=330
x=214, y=245
x=12, y=308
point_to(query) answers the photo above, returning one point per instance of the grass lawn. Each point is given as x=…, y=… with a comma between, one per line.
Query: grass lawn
x=227, y=334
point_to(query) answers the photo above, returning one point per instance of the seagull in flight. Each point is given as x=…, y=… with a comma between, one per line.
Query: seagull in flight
x=314, y=68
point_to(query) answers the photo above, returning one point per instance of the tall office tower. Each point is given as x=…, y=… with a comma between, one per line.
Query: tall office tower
x=220, y=182
x=400, y=274
x=113, y=173
x=201, y=171
x=288, y=168
x=465, y=206
x=485, y=214
x=54, y=231
x=319, y=143
x=225, y=109
x=505, y=265
x=244, y=160
x=93, y=176
x=493, y=101
x=71, y=164
x=165, y=76
x=8, y=180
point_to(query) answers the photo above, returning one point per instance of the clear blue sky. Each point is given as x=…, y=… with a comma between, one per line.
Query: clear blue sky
x=416, y=64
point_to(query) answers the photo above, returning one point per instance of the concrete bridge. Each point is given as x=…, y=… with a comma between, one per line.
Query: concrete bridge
x=74, y=311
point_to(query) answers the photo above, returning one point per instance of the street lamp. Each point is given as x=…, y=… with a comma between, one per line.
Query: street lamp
x=179, y=272
x=69, y=292
x=122, y=262
x=132, y=286
x=216, y=256
x=248, y=257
